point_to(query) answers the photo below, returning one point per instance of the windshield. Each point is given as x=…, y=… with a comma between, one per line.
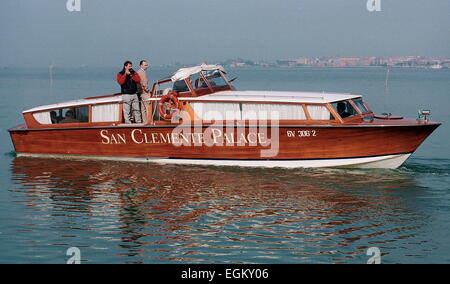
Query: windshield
x=214, y=78
x=360, y=104
x=198, y=82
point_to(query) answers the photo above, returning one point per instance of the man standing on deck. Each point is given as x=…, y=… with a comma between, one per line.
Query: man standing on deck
x=128, y=80
x=143, y=90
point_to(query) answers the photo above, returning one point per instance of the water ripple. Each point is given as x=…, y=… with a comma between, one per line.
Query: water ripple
x=144, y=213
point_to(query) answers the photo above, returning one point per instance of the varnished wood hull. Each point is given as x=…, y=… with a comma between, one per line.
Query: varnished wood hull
x=381, y=146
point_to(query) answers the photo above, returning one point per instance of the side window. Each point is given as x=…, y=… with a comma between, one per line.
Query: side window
x=217, y=111
x=82, y=114
x=344, y=109
x=105, y=113
x=272, y=111
x=318, y=112
x=70, y=115
x=43, y=117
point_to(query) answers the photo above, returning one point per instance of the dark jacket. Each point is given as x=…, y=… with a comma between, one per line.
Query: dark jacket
x=128, y=83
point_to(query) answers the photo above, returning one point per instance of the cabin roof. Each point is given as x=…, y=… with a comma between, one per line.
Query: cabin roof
x=242, y=96
x=109, y=99
x=275, y=96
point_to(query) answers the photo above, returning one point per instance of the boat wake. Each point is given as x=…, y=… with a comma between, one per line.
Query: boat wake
x=439, y=167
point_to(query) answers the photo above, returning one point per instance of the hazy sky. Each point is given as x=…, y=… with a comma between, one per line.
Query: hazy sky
x=107, y=32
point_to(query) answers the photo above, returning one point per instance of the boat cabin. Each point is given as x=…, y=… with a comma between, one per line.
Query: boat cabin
x=205, y=94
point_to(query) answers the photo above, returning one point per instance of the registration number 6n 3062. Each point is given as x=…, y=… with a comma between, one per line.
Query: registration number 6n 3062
x=301, y=133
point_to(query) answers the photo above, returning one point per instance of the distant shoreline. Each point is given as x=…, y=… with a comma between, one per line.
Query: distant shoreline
x=336, y=67
x=228, y=67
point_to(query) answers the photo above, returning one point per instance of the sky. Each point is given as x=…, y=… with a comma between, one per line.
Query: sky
x=36, y=33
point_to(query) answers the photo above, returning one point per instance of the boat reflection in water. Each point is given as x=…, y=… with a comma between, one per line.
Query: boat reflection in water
x=133, y=212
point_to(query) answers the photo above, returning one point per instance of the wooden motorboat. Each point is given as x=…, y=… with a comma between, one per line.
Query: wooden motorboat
x=196, y=116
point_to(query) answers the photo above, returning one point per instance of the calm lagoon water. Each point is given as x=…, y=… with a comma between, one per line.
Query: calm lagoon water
x=117, y=212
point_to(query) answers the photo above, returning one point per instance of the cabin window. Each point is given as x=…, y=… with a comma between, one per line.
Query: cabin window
x=360, y=104
x=70, y=115
x=105, y=113
x=318, y=112
x=344, y=109
x=214, y=78
x=272, y=111
x=247, y=111
x=43, y=117
x=217, y=111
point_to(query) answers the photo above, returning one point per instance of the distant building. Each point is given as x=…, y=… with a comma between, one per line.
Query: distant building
x=399, y=61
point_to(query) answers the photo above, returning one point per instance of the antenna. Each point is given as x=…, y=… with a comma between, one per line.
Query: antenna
x=50, y=73
x=386, y=87
x=386, y=82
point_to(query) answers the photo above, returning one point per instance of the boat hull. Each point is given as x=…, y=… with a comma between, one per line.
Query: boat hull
x=292, y=146
x=386, y=162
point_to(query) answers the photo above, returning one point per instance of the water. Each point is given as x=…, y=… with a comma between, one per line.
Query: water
x=117, y=212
